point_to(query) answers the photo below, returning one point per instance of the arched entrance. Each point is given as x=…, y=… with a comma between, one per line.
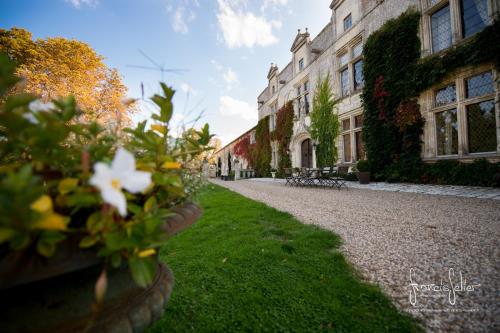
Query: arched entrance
x=306, y=154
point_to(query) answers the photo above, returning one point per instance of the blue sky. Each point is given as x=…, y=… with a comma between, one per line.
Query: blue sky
x=227, y=45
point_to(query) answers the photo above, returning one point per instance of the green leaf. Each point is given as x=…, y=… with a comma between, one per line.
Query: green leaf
x=20, y=241
x=88, y=241
x=45, y=248
x=6, y=234
x=150, y=204
x=116, y=259
x=143, y=270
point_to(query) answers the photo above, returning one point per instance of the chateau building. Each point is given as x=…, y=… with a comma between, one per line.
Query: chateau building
x=461, y=113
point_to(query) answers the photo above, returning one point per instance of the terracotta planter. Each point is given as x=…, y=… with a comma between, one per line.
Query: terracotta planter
x=56, y=294
x=363, y=177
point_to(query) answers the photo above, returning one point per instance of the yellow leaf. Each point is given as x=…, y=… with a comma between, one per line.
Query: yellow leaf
x=159, y=128
x=67, y=185
x=150, y=203
x=171, y=165
x=146, y=253
x=42, y=204
x=51, y=222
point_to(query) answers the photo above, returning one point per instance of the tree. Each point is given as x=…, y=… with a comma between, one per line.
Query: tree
x=324, y=123
x=56, y=67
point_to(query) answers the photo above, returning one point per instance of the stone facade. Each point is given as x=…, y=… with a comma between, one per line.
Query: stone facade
x=226, y=160
x=336, y=51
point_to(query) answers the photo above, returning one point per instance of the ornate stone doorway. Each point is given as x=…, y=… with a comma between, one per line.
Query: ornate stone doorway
x=306, y=154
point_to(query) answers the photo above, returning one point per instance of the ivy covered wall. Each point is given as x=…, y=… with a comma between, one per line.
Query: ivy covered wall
x=283, y=134
x=395, y=75
x=261, y=152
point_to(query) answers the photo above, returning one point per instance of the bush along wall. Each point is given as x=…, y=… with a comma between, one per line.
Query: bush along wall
x=394, y=76
x=262, y=151
x=283, y=134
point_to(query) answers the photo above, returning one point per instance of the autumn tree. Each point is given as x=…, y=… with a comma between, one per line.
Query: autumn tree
x=56, y=67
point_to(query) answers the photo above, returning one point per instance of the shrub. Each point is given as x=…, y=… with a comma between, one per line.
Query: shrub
x=49, y=192
x=363, y=166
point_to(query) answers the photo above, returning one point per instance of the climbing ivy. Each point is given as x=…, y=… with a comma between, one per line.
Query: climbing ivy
x=324, y=123
x=283, y=134
x=261, y=152
x=394, y=76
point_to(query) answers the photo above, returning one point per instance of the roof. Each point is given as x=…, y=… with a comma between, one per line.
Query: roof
x=300, y=39
x=242, y=135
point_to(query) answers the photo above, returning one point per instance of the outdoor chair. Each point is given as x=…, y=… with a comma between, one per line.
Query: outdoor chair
x=338, y=177
x=290, y=178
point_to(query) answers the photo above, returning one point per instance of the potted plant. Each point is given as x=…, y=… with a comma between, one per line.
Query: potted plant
x=273, y=173
x=83, y=212
x=363, y=173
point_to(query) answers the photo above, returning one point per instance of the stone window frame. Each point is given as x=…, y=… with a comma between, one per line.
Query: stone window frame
x=302, y=96
x=348, y=16
x=351, y=131
x=252, y=137
x=272, y=116
x=349, y=65
x=430, y=7
x=301, y=64
x=460, y=105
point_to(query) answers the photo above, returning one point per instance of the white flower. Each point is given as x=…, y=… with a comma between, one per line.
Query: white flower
x=121, y=174
x=37, y=106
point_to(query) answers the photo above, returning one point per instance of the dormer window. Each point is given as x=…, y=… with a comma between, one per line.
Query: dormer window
x=301, y=64
x=347, y=22
x=273, y=89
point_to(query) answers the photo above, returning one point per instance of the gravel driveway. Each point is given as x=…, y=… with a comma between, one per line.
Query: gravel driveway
x=442, y=240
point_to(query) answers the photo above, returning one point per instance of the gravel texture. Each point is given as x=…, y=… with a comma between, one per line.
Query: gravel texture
x=387, y=234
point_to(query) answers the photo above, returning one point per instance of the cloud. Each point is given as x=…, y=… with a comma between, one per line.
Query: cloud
x=79, y=3
x=186, y=88
x=229, y=106
x=182, y=14
x=244, y=29
x=230, y=76
x=272, y=3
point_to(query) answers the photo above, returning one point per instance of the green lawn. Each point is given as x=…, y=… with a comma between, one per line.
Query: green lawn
x=247, y=267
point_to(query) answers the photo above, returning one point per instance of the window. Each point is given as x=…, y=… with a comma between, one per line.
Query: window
x=343, y=59
x=301, y=64
x=360, y=146
x=441, y=29
x=273, y=89
x=348, y=66
x=465, y=121
x=272, y=118
x=252, y=137
x=303, y=98
x=347, y=22
x=445, y=95
x=479, y=85
x=447, y=132
x=357, y=50
x=481, y=127
x=474, y=16
x=358, y=121
x=358, y=75
x=455, y=20
x=346, y=138
x=358, y=136
x=344, y=82
x=346, y=124
x=306, y=97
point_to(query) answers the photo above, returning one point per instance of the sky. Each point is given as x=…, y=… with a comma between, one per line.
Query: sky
x=227, y=47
